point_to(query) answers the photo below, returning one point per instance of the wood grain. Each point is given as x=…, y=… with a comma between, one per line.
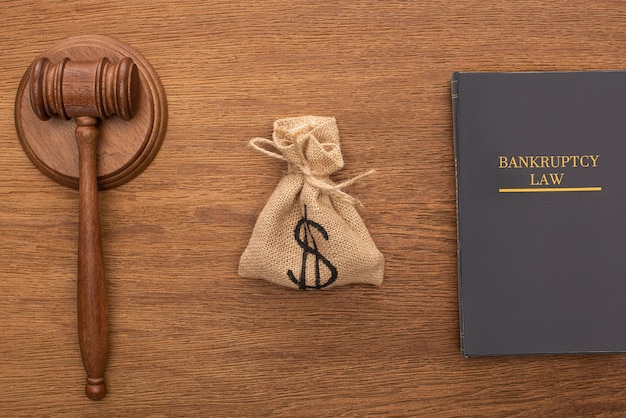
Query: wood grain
x=186, y=335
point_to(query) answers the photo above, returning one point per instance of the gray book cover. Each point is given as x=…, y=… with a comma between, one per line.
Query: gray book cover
x=541, y=205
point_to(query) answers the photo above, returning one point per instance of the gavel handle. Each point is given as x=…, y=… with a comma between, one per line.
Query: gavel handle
x=91, y=286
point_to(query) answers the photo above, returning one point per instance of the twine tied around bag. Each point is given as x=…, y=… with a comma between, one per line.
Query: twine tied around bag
x=296, y=139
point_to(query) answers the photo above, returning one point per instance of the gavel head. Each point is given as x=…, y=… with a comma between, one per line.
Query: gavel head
x=97, y=89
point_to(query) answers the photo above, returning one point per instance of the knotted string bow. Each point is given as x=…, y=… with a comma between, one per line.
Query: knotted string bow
x=298, y=138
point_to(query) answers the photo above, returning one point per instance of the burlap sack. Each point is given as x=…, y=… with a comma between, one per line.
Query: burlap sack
x=309, y=234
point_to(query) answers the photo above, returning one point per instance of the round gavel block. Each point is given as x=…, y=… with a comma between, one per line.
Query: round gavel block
x=125, y=147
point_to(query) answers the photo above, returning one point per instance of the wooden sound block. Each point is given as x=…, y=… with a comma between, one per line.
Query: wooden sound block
x=125, y=148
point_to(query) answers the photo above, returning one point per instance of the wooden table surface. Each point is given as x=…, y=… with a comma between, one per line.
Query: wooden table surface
x=187, y=335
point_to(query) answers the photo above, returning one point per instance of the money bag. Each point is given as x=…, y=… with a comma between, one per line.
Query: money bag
x=309, y=235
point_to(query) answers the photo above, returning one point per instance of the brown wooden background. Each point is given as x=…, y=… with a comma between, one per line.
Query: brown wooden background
x=187, y=335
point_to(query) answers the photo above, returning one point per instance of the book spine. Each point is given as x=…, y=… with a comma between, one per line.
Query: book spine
x=454, y=87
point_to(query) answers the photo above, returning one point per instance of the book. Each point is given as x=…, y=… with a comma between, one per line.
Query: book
x=541, y=209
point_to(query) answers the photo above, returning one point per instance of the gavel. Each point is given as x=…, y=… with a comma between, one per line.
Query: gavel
x=87, y=91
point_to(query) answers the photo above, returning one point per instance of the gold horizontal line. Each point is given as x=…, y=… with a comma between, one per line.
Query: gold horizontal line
x=551, y=189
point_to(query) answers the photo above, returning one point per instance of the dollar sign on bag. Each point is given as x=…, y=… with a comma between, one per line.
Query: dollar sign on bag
x=303, y=234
